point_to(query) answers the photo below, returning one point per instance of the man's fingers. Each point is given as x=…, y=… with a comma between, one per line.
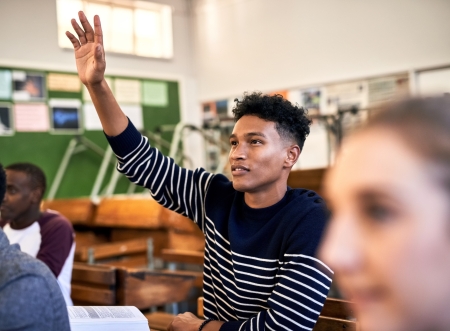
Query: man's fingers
x=98, y=33
x=79, y=31
x=86, y=26
x=74, y=40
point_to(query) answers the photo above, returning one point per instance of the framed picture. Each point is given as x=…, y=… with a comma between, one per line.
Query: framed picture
x=6, y=120
x=65, y=116
x=28, y=86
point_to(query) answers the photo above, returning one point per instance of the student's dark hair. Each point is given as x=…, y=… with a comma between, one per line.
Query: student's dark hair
x=35, y=175
x=290, y=121
x=424, y=125
x=2, y=183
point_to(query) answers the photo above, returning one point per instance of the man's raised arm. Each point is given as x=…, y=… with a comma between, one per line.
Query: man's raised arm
x=91, y=64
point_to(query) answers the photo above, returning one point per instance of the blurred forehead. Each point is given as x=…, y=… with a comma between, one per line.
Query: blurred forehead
x=377, y=159
x=17, y=178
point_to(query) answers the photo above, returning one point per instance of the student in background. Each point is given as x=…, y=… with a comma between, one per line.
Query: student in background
x=30, y=298
x=261, y=237
x=46, y=235
x=389, y=238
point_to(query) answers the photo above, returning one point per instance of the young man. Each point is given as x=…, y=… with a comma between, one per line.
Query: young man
x=30, y=298
x=260, y=271
x=47, y=235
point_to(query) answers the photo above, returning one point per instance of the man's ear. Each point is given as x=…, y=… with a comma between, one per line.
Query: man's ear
x=36, y=195
x=293, y=153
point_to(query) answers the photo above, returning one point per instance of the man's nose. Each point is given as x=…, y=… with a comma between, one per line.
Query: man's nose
x=238, y=153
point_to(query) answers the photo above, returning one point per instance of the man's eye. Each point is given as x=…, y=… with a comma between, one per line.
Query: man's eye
x=255, y=141
x=233, y=143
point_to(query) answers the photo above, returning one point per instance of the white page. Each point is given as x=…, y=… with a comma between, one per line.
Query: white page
x=127, y=90
x=134, y=113
x=113, y=318
x=31, y=117
x=315, y=151
x=91, y=119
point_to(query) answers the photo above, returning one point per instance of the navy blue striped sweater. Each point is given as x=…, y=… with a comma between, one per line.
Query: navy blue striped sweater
x=256, y=276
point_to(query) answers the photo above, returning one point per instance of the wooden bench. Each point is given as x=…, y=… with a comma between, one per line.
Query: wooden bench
x=139, y=252
x=77, y=210
x=146, y=288
x=93, y=284
x=336, y=315
x=308, y=179
x=173, y=257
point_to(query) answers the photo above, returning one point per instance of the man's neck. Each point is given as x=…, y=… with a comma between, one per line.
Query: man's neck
x=266, y=198
x=25, y=220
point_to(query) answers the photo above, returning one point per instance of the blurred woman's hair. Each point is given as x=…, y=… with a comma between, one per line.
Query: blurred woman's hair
x=424, y=125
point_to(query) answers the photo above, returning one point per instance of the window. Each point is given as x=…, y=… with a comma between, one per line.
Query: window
x=129, y=27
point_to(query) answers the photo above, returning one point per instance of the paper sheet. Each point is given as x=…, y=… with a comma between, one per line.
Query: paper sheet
x=5, y=84
x=91, y=120
x=346, y=95
x=315, y=151
x=155, y=94
x=387, y=88
x=134, y=113
x=434, y=82
x=63, y=82
x=31, y=117
x=127, y=90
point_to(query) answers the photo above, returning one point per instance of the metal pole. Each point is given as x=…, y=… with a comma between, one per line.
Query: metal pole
x=101, y=175
x=62, y=168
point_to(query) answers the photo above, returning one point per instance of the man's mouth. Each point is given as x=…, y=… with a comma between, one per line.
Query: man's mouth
x=238, y=169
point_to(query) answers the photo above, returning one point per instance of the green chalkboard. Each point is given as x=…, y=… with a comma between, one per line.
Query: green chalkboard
x=47, y=150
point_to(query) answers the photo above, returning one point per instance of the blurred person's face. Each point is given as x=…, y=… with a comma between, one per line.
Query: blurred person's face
x=389, y=238
x=19, y=196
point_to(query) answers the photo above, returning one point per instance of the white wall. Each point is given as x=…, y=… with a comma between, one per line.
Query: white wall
x=267, y=45
x=28, y=38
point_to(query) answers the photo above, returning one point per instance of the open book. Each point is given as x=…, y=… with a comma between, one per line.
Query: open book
x=112, y=318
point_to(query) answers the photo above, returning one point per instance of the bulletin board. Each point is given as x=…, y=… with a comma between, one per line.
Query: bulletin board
x=41, y=111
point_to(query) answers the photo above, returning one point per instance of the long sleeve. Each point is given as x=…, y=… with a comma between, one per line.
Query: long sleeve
x=176, y=188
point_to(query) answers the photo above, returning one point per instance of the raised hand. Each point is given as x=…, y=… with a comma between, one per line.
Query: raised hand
x=89, y=52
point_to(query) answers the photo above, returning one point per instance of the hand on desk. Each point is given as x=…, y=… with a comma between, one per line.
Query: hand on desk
x=190, y=322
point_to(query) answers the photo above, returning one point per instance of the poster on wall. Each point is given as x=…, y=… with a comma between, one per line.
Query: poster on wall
x=6, y=125
x=65, y=116
x=436, y=81
x=388, y=88
x=351, y=99
x=316, y=152
x=155, y=93
x=309, y=98
x=209, y=112
x=63, y=82
x=5, y=84
x=91, y=119
x=31, y=117
x=28, y=86
x=134, y=113
x=127, y=90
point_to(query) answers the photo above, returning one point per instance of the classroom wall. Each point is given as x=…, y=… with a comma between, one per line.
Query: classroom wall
x=29, y=40
x=271, y=45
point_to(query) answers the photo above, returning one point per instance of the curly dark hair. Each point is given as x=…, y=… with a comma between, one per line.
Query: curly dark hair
x=35, y=175
x=291, y=121
x=2, y=183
